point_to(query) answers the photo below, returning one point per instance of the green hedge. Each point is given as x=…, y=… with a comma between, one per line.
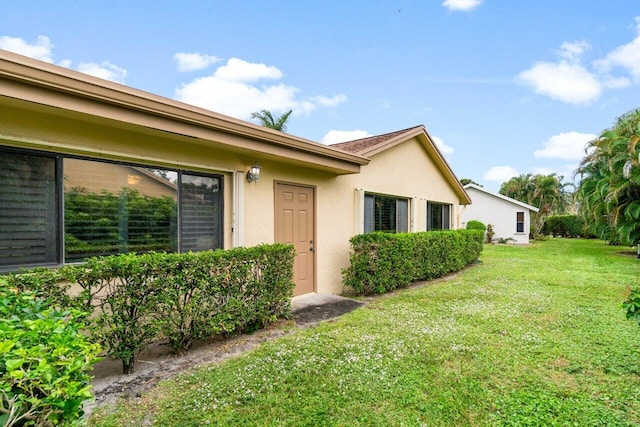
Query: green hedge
x=44, y=360
x=381, y=262
x=133, y=300
x=474, y=224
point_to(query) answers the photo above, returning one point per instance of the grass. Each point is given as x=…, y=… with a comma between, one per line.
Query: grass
x=532, y=335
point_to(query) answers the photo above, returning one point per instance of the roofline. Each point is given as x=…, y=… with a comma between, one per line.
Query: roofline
x=503, y=197
x=69, y=82
x=421, y=133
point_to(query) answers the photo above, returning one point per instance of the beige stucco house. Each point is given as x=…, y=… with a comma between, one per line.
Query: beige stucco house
x=60, y=129
x=511, y=219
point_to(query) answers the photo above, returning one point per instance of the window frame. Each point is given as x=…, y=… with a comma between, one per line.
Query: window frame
x=59, y=202
x=445, y=219
x=520, y=223
x=400, y=211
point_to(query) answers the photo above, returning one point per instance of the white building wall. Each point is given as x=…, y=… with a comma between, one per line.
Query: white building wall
x=500, y=213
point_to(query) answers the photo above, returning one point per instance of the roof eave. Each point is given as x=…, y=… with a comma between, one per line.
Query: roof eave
x=71, y=83
x=502, y=197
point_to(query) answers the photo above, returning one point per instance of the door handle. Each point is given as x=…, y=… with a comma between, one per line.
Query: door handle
x=311, y=249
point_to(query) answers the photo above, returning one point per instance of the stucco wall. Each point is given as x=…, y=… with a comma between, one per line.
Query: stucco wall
x=500, y=213
x=404, y=170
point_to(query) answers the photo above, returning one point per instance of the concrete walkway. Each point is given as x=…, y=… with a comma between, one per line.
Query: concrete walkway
x=314, y=308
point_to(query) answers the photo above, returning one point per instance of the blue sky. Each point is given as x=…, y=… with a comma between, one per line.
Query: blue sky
x=505, y=87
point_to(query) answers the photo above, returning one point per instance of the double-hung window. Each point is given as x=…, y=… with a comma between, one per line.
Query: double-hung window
x=386, y=213
x=519, y=222
x=58, y=209
x=438, y=216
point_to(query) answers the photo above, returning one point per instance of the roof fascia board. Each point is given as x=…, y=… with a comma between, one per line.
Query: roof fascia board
x=73, y=84
x=444, y=167
x=425, y=139
x=502, y=197
x=398, y=139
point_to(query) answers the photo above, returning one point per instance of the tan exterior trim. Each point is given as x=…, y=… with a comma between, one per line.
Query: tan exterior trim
x=50, y=85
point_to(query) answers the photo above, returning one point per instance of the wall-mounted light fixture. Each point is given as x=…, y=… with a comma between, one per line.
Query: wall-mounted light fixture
x=253, y=174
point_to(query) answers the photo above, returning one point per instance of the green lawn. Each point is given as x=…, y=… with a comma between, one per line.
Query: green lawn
x=530, y=336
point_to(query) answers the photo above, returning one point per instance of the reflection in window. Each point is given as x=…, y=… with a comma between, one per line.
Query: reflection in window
x=101, y=209
x=113, y=208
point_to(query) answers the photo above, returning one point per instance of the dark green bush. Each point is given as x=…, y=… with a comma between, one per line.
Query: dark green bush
x=381, y=262
x=564, y=226
x=476, y=225
x=44, y=360
x=224, y=292
x=133, y=300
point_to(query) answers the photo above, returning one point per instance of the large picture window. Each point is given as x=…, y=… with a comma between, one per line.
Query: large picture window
x=385, y=213
x=438, y=216
x=92, y=208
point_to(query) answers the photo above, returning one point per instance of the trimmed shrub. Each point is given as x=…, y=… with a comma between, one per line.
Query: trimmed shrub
x=44, y=359
x=476, y=225
x=133, y=300
x=564, y=226
x=224, y=292
x=382, y=262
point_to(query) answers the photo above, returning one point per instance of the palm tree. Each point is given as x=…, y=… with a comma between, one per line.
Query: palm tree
x=609, y=193
x=268, y=120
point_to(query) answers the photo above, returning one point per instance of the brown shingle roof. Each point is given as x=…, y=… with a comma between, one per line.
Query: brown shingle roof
x=359, y=145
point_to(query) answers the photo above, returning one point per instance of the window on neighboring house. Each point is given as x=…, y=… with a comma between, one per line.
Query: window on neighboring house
x=519, y=222
x=385, y=213
x=438, y=216
x=102, y=208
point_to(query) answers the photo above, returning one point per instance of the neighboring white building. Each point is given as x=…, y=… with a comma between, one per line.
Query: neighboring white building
x=510, y=218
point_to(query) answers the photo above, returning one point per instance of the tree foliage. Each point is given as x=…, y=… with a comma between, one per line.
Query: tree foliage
x=465, y=181
x=267, y=119
x=546, y=192
x=609, y=192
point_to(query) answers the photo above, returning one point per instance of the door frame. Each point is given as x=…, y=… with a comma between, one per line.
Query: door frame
x=314, y=188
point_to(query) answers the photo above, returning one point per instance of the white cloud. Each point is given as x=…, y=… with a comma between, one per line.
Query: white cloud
x=626, y=56
x=615, y=82
x=336, y=136
x=500, y=174
x=565, y=81
x=568, y=80
x=565, y=146
x=444, y=148
x=573, y=50
x=464, y=5
x=325, y=101
x=234, y=89
x=105, y=70
x=194, y=61
x=238, y=70
x=40, y=49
